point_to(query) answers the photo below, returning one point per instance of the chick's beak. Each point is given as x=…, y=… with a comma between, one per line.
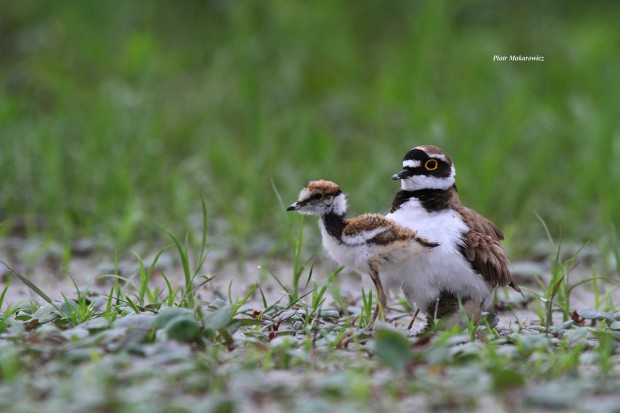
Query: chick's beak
x=401, y=175
x=293, y=207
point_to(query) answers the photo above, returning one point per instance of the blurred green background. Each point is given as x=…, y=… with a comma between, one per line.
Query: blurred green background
x=115, y=116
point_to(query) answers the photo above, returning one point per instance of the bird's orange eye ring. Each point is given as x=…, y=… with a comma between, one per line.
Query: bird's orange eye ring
x=431, y=164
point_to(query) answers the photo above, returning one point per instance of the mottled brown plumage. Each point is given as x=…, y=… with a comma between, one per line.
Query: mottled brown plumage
x=324, y=186
x=483, y=250
x=368, y=222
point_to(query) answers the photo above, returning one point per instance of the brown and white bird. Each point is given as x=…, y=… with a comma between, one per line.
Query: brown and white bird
x=368, y=244
x=468, y=264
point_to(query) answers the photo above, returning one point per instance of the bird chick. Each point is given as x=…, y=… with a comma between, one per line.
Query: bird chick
x=367, y=244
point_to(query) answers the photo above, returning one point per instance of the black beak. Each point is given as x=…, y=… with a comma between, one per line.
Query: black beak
x=405, y=173
x=293, y=207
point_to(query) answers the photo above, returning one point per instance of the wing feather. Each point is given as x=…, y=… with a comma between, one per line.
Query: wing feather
x=374, y=229
x=483, y=250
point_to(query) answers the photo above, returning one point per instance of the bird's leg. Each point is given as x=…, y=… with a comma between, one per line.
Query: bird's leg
x=415, y=316
x=382, y=299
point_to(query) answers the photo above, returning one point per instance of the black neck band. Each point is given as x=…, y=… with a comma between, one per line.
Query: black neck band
x=334, y=224
x=431, y=199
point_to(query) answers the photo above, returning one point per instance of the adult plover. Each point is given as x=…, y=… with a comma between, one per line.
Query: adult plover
x=368, y=244
x=467, y=265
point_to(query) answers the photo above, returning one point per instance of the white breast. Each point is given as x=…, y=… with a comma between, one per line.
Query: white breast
x=444, y=268
x=352, y=258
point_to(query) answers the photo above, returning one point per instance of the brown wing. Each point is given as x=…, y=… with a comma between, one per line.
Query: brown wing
x=483, y=250
x=374, y=229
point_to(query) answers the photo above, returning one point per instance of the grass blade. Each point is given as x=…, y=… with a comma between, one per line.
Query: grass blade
x=203, y=241
x=28, y=283
x=6, y=288
x=184, y=260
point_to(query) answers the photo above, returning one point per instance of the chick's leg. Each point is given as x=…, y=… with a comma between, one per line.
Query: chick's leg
x=382, y=299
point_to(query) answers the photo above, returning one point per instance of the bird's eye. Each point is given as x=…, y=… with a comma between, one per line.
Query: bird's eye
x=317, y=196
x=431, y=165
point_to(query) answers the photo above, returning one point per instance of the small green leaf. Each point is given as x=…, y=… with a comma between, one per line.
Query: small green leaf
x=393, y=348
x=591, y=314
x=506, y=378
x=219, y=318
x=183, y=328
x=137, y=321
x=98, y=323
x=492, y=319
x=232, y=327
x=576, y=336
x=130, y=341
x=168, y=314
x=329, y=314
x=47, y=313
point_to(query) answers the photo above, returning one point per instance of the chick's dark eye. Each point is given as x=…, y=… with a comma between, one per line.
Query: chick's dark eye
x=317, y=196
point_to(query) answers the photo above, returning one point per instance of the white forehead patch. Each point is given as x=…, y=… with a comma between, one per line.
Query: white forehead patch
x=440, y=157
x=305, y=194
x=411, y=163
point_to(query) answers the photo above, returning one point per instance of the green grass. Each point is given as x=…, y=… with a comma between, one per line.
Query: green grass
x=136, y=350
x=115, y=117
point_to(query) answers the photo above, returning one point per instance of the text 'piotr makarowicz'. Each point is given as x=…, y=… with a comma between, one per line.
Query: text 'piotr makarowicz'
x=518, y=58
